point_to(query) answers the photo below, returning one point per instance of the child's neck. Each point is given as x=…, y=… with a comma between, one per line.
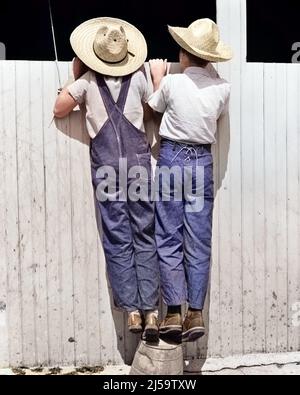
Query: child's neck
x=194, y=65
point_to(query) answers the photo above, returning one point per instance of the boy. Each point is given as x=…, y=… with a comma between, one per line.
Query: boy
x=192, y=103
x=113, y=91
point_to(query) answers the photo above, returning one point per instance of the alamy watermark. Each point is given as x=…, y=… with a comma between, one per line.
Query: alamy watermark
x=2, y=51
x=136, y=184
x=296, y=49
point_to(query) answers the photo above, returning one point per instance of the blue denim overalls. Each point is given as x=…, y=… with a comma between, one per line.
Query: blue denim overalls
x=183, y=236
x=128, y=226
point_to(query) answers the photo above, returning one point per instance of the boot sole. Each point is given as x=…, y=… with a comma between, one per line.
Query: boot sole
x=151, y=335
x=171, y=333
x=135, y=329
x=193, y=334
x=165, y=330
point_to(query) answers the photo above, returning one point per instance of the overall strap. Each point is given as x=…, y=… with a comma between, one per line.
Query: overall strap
x=107, y=98
x=106, y=95
x=124, y=92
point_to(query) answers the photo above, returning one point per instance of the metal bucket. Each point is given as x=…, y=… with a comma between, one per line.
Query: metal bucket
x=162, y=359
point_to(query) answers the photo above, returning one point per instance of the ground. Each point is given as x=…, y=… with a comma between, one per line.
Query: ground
x=273, y=370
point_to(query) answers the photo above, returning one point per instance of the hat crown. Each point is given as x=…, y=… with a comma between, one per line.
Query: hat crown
x=202, y=39
x=111, y=44
x=205, y=34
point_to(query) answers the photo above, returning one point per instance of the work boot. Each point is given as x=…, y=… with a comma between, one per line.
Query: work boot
x=151, y=332
x=193, y=326
x=171, y=327
x=135, y=322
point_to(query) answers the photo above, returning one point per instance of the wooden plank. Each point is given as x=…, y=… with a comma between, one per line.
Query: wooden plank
x=4, y=351
x=247, y=176
x=92, y=264
x=259, y=206
x=293, y=199
x=38, y=217
x=225, y=223
x=63, y=141
x=281, y=206
x=26, y=198
x=52, y=215
x=214, y=311
x=271, y=208
x=238, y=42
x=225, y=232
x=25, y=215
x=229, y=19
x=14, y=307
x=78, y=237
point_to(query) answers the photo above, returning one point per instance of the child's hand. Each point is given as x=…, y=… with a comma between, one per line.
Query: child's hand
x=159, y=68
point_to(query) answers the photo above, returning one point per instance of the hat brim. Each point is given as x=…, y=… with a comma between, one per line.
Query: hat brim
x=223, y=53
x=82, y=42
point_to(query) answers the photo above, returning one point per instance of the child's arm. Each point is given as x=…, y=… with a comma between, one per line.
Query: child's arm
x=64, y=104
x=159, y=68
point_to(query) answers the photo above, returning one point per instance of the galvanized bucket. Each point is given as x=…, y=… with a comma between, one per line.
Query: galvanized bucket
x=158, y=359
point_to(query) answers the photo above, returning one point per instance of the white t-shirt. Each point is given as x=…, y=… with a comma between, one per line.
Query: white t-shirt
x=85, y=91
x=192, y=103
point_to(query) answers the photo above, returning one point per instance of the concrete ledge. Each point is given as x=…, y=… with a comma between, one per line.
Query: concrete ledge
x=238, y=361
x=239, y=364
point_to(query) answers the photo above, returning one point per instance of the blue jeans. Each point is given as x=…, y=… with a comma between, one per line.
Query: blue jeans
x=184, y=225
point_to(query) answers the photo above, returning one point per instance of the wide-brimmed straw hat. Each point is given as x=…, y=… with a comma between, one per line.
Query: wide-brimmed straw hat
x=109, y=46
x=202, y=39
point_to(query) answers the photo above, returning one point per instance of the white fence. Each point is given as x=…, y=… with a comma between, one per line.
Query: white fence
x=54, y=301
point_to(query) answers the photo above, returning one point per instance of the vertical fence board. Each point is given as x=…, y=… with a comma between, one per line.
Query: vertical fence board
x=247, y=153
x=293, y=207
x=11, y=241
x=270, y=199
x=38, y=213
x=4, y=357
x=78, y=235
x=257, y=100
x=281, y=203
x=25, y=199
x=53, y=207
x=66, y=288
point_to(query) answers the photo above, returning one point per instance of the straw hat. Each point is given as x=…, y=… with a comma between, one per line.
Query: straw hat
x=202, y=39
x=109, y=46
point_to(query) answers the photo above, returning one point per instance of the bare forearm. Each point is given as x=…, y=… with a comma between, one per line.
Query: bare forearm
x=64, y=104
x=156, y=83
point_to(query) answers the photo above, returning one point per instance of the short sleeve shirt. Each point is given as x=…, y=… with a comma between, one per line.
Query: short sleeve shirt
x=192, y=103
x=86, y=91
